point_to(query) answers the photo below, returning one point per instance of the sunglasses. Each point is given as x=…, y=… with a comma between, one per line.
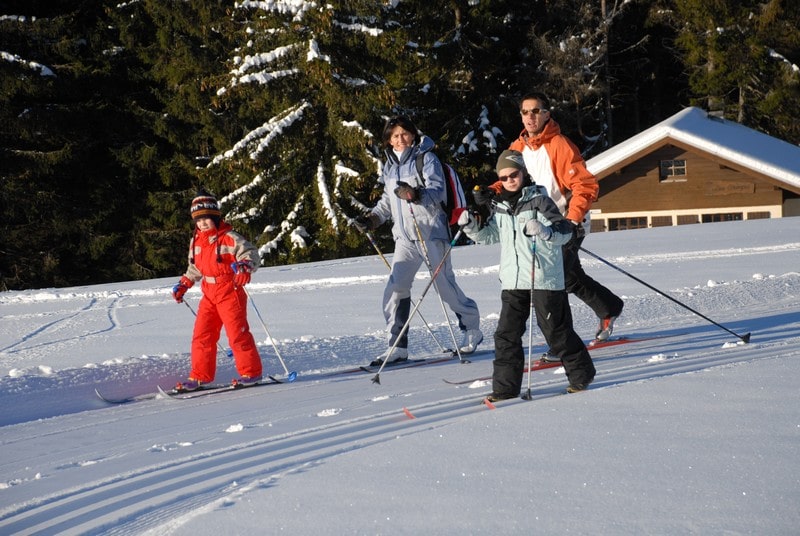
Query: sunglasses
x=534, y=111
x=515, y=175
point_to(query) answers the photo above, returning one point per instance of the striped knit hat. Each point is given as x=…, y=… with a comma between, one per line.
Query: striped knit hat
x=205, y=205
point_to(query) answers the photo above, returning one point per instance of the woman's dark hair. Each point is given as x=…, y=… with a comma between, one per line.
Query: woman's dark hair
x=399, y=121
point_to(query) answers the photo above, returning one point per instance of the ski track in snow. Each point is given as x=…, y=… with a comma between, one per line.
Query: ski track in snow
x=148, y=497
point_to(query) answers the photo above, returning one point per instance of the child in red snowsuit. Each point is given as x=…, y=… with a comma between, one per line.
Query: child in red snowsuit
x=223, y=259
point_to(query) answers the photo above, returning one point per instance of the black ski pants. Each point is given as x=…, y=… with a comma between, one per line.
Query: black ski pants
x=554, y=319
x=602, y=301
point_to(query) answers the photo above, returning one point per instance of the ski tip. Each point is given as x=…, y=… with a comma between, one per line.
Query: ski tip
x=163, y=392
x=377, y=379
x=408, y=413
x=103, y=398
x=488, y=403
x=292, y=376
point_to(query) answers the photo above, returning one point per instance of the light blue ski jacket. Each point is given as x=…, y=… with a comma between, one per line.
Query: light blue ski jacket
x=506, y=225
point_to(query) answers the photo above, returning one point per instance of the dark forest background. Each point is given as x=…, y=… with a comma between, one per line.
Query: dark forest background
x=113, y=114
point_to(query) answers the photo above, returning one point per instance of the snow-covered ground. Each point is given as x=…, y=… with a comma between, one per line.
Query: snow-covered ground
x=692, y=434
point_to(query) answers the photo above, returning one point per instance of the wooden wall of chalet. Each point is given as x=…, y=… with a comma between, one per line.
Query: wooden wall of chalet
x=708, y=185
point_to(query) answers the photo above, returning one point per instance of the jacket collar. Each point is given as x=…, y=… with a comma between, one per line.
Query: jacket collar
x=551, y=130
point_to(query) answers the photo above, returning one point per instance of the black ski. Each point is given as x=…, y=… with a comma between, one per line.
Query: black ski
x=211, y=389
x=125, y=400
x=407, y=363
x=417, y=362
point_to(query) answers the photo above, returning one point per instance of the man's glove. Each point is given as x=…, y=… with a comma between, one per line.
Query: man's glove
x=483, y=196
x=366, y=223
x=580, y=230
x=180, y=289
x=405, y=192
x=242, y=269
x=537, y=229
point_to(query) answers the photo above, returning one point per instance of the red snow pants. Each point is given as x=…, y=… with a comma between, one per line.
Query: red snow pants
x=223, y=305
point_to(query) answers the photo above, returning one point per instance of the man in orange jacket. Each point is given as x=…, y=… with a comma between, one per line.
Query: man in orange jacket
x=554, y=162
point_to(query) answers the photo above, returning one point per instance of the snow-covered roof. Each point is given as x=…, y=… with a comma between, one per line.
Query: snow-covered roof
x=738, y=146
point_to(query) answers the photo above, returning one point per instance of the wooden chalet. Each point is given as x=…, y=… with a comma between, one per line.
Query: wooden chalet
x=695, y=168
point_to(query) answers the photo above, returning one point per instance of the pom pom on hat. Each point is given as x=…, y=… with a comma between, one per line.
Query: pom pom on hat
x=510, y=159
x=205, y=205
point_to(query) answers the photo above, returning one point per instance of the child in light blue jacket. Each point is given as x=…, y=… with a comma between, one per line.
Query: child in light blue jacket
x=531, y=231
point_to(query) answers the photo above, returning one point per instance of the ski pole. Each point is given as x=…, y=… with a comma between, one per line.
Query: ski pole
x=435, y=285
x=228, y=352
x=291, y=376
x=745, y=338
x=377, y=378
x=527, y=395
x=389, y=266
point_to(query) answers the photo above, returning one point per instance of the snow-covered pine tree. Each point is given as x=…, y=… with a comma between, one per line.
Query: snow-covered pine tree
x=306, y=86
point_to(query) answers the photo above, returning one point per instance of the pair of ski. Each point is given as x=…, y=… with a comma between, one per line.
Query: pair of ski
x=594, y=345
x=411, y=362
x=539, y=365
x=210, y=389
x=179, y=394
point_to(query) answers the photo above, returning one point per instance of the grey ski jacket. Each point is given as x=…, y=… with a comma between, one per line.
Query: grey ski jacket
x=428, y=211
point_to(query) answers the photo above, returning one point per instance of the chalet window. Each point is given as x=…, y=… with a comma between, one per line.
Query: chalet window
x=731, y=216
x=597, y=225
x=672, y=171
x=620, y=224
x=758, y=215
x=687, y=219
x=661, y=221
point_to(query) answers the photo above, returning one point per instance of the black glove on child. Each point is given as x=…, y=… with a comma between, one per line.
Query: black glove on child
x=405, y=192
x=483, y=196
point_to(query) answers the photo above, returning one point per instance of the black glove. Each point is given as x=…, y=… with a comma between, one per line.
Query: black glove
x=365, y=223
x=405, y=192
x=483, y=196
x=580, y=231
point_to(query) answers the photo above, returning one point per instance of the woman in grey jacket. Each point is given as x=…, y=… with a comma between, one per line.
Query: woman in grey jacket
x=408, y=197
x=524, y=219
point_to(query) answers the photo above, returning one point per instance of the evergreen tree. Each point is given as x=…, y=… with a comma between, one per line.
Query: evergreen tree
x=66, y=201
x=112, y=115
x=167, y=50
x=305, y=90
x=738, y=55
x=463, y=91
